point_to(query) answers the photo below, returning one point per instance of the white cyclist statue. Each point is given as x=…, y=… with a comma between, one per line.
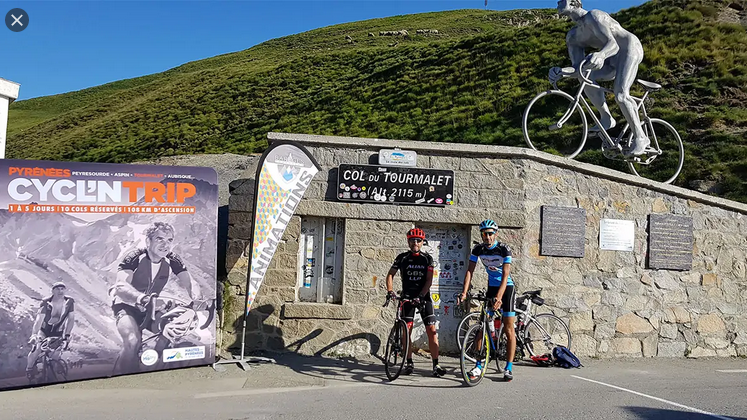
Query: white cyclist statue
x=618, y=56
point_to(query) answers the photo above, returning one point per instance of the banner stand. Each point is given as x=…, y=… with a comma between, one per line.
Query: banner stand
x=239, y=359
x=290, y=164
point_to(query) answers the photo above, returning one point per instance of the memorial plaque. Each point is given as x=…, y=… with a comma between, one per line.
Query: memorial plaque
x=670, y=242
x=616, y=235
x=563, y=232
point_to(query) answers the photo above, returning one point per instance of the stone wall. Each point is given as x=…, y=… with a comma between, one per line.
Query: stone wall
x=615, y=306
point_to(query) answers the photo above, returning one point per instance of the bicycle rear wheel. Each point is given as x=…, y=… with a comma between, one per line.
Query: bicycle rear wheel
x=544, y=332
x=665, y=164
x=397, y=347
x=465, y=324
x=471, y=352
x=502, y=349
x=555, y=125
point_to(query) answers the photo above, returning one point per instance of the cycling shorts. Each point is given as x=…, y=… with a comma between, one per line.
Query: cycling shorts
x=508, y=301
x=121, y=309
x=427, y=315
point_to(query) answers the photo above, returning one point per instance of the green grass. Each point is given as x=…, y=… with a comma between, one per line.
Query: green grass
x=469, y=84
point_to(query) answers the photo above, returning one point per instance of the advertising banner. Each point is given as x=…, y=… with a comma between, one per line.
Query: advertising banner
x=105, y=269
x=284, y=173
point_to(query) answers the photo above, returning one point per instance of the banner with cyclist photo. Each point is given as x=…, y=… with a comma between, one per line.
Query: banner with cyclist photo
x=105, y=269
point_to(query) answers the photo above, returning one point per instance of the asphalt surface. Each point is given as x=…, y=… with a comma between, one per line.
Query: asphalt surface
x=320, y=388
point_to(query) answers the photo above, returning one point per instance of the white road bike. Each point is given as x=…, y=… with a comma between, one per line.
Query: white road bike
x=556, y=122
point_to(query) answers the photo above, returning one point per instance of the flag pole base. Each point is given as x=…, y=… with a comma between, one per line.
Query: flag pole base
x=243, y=362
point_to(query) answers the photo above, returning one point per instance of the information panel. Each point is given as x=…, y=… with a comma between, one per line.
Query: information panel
x=395, y=185
x=563, y=231
x=616, y=235
x=670, y=242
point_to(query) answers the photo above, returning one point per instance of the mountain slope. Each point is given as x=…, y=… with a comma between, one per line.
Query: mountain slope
x=468, y=83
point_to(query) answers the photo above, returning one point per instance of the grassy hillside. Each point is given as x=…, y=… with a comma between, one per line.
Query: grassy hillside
x=469, y=83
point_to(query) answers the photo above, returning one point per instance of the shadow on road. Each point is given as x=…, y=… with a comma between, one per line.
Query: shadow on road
x=366, y=369
x=648, y=413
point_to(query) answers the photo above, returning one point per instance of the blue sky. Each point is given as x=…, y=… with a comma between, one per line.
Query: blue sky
x=72, y=45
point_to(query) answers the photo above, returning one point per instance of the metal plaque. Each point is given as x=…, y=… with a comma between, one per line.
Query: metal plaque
x=670, y=242
x=616, y=235
x=563, y=231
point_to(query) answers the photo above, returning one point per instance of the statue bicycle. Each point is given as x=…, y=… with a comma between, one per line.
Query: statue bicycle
x=555, y=110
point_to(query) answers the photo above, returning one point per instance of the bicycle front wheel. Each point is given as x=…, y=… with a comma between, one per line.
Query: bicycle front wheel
x=665, y=162
x=465, y=324
x=397, y=347
x=544, y=332
x=59, y=369
x=475, y=347
x=552, y=124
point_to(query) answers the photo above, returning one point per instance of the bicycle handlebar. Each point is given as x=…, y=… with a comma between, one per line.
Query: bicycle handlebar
x=580, y=72
x=399, y=298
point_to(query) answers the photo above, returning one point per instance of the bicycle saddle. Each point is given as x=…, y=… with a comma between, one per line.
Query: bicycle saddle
x=533, y=293
x=650, y=86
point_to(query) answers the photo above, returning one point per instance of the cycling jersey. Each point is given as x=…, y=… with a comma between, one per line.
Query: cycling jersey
x=413, y=267
x=149, y=277
x=493, y=257
x=53, y=329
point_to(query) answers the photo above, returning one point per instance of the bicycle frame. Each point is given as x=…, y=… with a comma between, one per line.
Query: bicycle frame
x=46, y=361
x=400, y=304
x=615, y=143
x=485, y=319
x=578, y=98
x=523, y=319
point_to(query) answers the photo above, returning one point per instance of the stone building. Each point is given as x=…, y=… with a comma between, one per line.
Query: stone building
x=325, y=288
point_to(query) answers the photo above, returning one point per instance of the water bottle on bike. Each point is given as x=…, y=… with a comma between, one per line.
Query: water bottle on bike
x=495, y=325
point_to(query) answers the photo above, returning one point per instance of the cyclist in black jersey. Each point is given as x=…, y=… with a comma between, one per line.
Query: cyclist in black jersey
x=416, y=267
x=55, y=317
x=142, y=273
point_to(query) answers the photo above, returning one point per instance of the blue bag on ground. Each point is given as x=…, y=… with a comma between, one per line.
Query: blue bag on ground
x=564, y=358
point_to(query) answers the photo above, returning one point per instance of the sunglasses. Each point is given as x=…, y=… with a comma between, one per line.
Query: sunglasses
x=416, y=240
x=488, y=232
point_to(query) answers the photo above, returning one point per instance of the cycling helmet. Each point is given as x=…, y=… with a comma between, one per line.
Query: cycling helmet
x=415, y=233
x=58, y=284
x=178, y=322
x=488, y=224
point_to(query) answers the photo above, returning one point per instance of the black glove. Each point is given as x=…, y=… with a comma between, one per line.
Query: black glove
x=391, y=295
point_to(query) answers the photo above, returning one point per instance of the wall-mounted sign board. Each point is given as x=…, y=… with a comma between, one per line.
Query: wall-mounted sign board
x=395, y=185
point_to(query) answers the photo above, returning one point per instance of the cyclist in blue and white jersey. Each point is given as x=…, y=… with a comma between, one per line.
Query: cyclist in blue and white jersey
x=496, y=257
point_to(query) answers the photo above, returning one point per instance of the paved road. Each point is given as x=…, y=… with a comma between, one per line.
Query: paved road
x=316, y=388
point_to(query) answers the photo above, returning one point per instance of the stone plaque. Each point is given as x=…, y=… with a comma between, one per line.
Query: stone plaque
x=563, y=232
x=670, y=242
